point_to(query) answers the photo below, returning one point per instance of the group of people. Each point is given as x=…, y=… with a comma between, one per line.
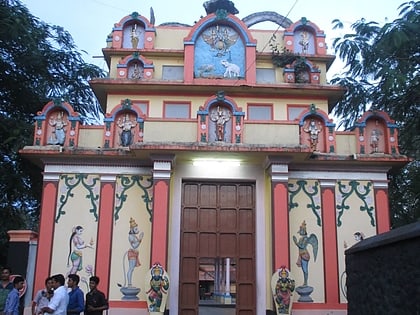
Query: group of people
x=55, y=298
x=9, y=292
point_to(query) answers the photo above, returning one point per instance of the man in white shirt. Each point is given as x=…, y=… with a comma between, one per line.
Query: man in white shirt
x=60, y=299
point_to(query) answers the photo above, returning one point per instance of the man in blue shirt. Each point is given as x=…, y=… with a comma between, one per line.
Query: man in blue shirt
x=76, y=296
x=12, y=301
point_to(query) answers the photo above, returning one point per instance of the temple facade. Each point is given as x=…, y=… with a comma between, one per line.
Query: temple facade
x=217, y=166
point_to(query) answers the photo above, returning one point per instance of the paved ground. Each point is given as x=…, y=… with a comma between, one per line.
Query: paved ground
x=211, y=310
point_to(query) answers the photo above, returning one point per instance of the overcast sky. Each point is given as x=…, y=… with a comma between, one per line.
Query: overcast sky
x=90, y=21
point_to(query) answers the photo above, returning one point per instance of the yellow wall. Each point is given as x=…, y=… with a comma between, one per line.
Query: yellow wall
x=91, y=138
x=170, y=131
x=270, y=134
x=346, y=144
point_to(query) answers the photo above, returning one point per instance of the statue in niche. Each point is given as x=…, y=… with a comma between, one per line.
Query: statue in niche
x=313, y=130
x=374, y=139
x=220, y=116
x=137, y=72
x=134, y=36
x=58, y=135
x=126, y=136
x=304, y=42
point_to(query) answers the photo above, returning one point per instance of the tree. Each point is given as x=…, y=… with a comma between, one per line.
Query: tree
x=382, y=72
x=39, y=62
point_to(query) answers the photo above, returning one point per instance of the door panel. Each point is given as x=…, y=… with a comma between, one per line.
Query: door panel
x=218, y=221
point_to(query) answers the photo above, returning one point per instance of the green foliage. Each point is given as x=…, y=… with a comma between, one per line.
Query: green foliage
x=39, y=62
x=382, y=65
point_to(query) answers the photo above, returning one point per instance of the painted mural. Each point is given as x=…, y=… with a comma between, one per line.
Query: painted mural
x=356, y=219
x=305, y=224
x=76, y=220
x=219, y=54
x=131, y=239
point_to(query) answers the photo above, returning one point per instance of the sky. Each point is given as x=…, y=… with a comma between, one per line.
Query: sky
x=90, y=21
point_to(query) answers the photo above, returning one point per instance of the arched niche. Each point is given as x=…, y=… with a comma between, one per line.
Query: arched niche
x=302, y=70
x=220, y=120
x=377, y=134
x=135, y=67
x=133, y=32
x=221, y=48
x=57, y=124
x=305, y=38
x=124, y=126
x=317, y=131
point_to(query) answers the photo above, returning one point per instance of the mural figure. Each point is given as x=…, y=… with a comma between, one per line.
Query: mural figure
x=135, y=238
x=313, y=130
x=304, y=42
x=126, y=136
x=303, y=260
x=75, y=251
x=58, y=135
x=134, y=36
x=220, y=116
x=374, y=140
x=158, y=285
x=283, y=287
x=232, y=70
x=220, y=39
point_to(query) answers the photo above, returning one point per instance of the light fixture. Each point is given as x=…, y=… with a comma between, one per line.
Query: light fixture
x=216, y=163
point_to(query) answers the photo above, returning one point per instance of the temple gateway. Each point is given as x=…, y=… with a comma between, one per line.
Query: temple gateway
x=217, y=178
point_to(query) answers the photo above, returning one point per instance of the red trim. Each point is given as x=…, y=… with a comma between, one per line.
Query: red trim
x=332, y=293
x=280, y=226
x=128, y=304
x=46, y=232
x=160, y=223
x=104, y=238
x=382, y=211
x=318, y=306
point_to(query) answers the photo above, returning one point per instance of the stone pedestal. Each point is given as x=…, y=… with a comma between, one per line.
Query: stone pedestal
x=130, y=293
x=305, y=293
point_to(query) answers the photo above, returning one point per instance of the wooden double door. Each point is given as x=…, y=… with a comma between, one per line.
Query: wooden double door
x=218, y=222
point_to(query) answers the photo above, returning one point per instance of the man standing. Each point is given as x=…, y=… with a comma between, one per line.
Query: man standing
x=76, y=297
x=60, y=299
x=12, y=302
x=5, y=287
x=42, y=297
x=96, y=302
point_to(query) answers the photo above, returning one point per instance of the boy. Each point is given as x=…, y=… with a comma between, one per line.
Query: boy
x=42, y=297
x=96, y=302
x=12, y=301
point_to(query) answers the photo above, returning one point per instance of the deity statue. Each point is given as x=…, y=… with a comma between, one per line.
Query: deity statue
x=158, y=284
x=137, y=73
x=220, y=116
x=313, y=130
x=283, y=287
x=58, y=135
x=304, y=256
x=304, y=42
x=134, y=36
x=126, y=137
x=374, y=140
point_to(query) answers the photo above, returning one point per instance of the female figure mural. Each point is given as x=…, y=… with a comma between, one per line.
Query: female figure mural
x=76, y=245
